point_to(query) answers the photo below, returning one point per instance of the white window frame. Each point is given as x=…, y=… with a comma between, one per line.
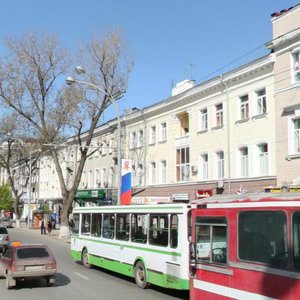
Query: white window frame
x=163, y=171
x=152, y=135
x=163, y=131
x=244, y=107
x=139, y=175
x=204, y=166
x=183, y=167
x=133, y=140
x=203, y=119
x=263, y=158
x=295, y=58
x=261, y=101
x=219, y=115
x=220, y=164
x=244, y=161
x=152, y=172
x=140, y=140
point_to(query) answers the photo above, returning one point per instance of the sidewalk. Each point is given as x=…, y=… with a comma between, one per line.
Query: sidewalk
x=54, y=232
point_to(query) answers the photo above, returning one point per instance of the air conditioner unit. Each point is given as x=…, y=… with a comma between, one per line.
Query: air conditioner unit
x=220, y=184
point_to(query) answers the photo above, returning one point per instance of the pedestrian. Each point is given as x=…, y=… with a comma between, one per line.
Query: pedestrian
x=43, y=229
x=49, y=227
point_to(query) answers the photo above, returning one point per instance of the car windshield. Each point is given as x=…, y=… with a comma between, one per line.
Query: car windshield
x=3, y=230
x=32, y=252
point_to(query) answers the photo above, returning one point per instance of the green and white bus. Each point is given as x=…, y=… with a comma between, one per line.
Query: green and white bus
x=147, y=242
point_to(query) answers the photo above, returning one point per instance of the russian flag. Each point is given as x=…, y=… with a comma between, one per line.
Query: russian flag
x=126, y=183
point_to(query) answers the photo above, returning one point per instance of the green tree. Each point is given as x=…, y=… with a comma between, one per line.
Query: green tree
x=6, y=200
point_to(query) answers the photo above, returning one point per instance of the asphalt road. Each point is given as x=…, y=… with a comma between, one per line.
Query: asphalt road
x=73, y=281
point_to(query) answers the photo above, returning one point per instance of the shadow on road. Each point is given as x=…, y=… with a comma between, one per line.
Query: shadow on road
x=61, y=280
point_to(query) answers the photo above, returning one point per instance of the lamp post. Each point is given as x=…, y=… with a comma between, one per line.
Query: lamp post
x=29, y=192
x=228, y=135
x=70, y=80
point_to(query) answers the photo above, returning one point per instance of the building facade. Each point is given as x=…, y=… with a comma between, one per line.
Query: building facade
x=234, y=133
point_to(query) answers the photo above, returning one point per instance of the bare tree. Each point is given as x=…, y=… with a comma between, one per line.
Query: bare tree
x=31, y=86
x=15, y=160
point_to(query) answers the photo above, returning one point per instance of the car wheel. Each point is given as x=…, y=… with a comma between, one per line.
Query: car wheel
x=50, y=280
x=85, y=259
x=140, y=275
x=10, y=282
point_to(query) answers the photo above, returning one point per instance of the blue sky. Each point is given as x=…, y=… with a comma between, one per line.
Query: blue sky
x=171, y=40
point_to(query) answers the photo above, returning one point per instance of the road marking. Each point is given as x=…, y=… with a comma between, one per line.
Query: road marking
x=82, y=276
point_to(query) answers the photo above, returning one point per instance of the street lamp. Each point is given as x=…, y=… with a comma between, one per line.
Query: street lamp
x=70, y=80
x=228, y=134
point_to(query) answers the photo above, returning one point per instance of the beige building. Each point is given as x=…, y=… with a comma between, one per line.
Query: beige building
x=285, y=46
x=233, y=133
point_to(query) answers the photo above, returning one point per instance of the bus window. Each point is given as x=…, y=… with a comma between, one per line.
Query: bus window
x=108, y=226
x=296, y=239
x=86, y=224
x=211, y=240
x=158, y=234
x=96, y=224
x=263, y=237
x=174, y=231
x=139, y=228
x=75, y=224
x=122, y=230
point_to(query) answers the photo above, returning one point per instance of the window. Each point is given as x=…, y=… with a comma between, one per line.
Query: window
x=122, y=227
x=152, y=135
x=204, y=166
x=139, y=228
x=163, y=127
x=74, y=224
x=183, y=164
x=219, y=115
x=108, y=226
x=163, y=171
x=133, y=140
x=104, y=177
x=244, y=162
x=267, y=232
x=296, y=65
x=96, y=225
x=263, y=159
x=296, y=239
x=32, y=253
x=211, y=240
x=203, y=119
x=153, y=172
x=97, y=178
x=140, y=141
x=174, y=231
x=86, y=224
x=296, y=125
x=111, y=177
x=261, y=102
x=83, y=179
x=158, y=233
x=220, y=164
x=244, y=107
x=90, y=179
x=139, y=174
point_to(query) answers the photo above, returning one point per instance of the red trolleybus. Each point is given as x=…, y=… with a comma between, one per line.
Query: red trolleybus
x=246, y=248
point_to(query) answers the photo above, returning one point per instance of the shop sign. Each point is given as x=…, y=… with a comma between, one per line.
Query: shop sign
x=87, y=194
x=203, y=193
x=180, y=197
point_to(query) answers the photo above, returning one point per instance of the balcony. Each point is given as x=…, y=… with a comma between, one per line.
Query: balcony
x=182, y=141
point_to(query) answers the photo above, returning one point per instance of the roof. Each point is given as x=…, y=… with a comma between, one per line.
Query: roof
x=282, y=12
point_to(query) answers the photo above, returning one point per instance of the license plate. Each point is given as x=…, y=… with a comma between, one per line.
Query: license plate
x=34, y=268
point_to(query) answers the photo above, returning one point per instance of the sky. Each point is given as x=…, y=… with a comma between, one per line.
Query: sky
x=170, y=40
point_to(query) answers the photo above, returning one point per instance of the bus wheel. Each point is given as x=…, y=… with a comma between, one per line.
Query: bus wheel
x=140, y=275
x=85, y=259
